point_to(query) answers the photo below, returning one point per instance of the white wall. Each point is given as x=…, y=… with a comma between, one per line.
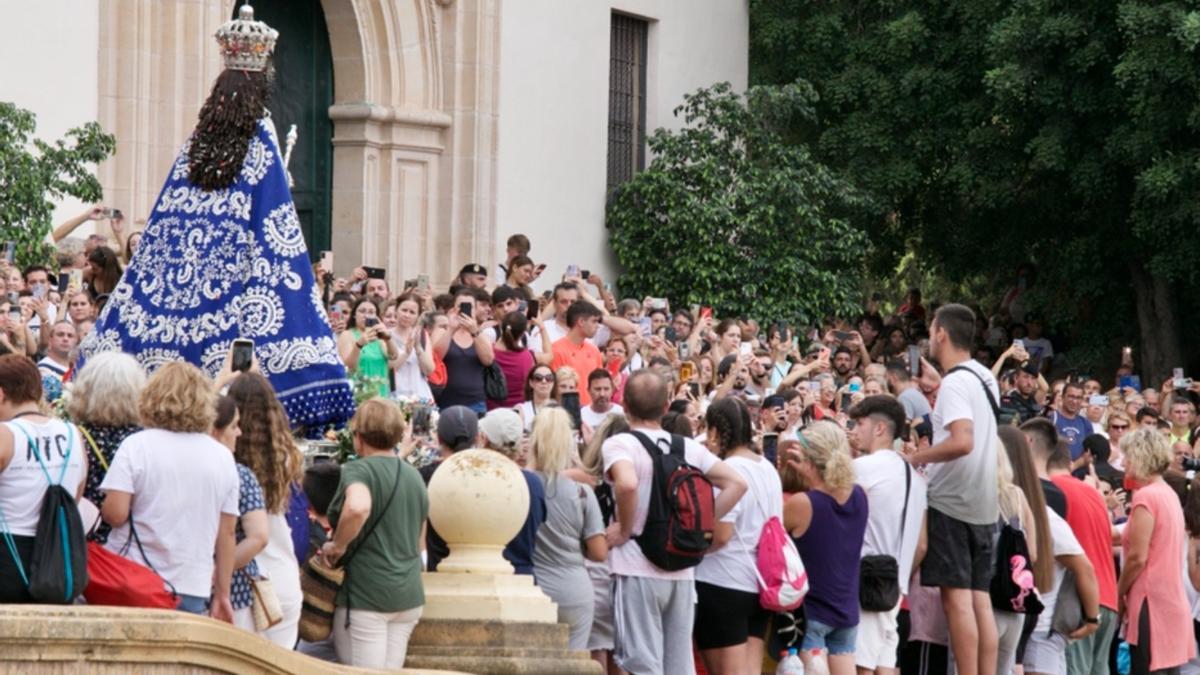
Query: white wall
x=553, y=143
x=51, y=68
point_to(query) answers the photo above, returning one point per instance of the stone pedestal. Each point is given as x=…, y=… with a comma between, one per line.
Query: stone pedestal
x=479, y=617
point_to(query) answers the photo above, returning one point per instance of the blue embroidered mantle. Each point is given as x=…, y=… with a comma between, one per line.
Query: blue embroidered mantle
x=215, y=266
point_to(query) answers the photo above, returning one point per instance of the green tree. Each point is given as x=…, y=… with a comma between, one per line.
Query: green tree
x=993, y=134
x=730, y=215
x=35, y=174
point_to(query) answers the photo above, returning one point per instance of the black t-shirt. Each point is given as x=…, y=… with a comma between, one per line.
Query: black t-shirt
x=436, y=548
x=1055, y=498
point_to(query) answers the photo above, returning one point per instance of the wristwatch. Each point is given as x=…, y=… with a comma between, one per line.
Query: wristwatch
x=1091, y=620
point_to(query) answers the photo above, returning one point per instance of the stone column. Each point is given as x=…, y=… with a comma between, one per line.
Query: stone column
x=158, y=61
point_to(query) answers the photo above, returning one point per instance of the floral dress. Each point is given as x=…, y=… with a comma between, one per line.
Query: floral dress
x=250, y=498
x=107, y=439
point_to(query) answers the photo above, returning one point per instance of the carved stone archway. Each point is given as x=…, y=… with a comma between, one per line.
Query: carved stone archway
x=415, y=113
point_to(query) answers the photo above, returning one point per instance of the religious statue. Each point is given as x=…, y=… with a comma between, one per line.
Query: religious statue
x=222, y=256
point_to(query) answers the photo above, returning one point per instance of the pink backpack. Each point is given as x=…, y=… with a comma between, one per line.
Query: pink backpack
x=782, y=581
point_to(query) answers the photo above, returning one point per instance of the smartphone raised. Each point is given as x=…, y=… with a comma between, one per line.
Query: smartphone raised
x=671, y=335
x=243, y=355
x=842, y=335
x=746, y=348
x=570, y=403
x=1098, y=400
x=532, y=310
x=706, y=312
x=14, y=313
x=770, y=446
x=572, y=271
x=113, y=214
x=686, y=371
x=10, y=251
x=464, y=308
x=914, y=360
x=63, y=280
x=375, y=272
x=327, y=262
x=584, y=274
x=423, y=282
x=371, y=322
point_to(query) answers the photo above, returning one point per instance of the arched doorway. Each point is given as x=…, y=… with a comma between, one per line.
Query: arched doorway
x=303, y=94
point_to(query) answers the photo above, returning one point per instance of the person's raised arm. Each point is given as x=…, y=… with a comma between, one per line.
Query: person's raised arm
x=546, y=356
x=349, y=348
x=63, y=231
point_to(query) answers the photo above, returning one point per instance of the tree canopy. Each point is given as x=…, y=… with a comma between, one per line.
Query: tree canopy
x=731, y=216
x=35, y=174
x=993, y=134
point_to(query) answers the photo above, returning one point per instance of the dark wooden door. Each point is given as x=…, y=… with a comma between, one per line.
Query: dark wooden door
x=303, y=94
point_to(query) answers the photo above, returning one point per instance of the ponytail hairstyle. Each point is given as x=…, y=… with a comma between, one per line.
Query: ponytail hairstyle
x=228, y=120
x=512, y=331
x=730, y=419
x=824, y=444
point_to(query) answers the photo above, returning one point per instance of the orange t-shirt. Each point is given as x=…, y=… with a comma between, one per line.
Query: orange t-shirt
x=583, y=359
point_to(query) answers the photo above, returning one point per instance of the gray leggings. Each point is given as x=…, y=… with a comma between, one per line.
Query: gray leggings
x=1008, y=626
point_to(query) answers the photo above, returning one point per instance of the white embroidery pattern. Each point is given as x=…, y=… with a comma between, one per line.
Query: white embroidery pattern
x=258, y=161
x=282, y=230
x=201, y=262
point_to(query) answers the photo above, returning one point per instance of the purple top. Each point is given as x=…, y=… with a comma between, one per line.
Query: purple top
x=516, y=367
x=830, y=550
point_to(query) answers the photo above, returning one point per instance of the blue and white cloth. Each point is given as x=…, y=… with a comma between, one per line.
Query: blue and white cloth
x=214, y=266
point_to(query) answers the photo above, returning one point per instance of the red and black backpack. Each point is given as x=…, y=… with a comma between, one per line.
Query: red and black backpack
x=682, y=512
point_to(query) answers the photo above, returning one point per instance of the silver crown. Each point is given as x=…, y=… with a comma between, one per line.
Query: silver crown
x=246, y=44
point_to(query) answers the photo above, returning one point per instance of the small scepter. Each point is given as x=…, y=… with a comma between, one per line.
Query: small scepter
x=287, y=154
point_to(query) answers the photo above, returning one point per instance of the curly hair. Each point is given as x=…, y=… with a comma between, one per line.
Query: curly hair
x=266, y=446
x=178, y=397
x=228, y=120
x=1147, y=453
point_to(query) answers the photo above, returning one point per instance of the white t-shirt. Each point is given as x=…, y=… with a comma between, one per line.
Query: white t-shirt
x=181, y=484
x=594, y=419
x=23, y=484
x=965, y=488
x=881, y=476
x=1064, y=542
x=733, y=566
x=627, y=559
x=1038, y=349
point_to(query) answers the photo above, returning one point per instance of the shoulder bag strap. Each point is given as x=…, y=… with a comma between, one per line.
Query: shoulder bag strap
x=904, y=511
x=362, y=539
x=986, y=389
x=92, y=444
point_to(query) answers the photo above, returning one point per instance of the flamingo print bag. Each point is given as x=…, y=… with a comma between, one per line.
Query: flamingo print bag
x=1013, y=588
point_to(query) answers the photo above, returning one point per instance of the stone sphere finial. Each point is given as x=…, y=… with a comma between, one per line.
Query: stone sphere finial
x=478, y=501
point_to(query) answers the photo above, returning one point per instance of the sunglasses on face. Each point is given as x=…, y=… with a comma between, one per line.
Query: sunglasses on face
x=542, y=378
x=1118, y=427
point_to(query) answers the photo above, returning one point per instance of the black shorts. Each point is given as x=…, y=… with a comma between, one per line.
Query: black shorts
x=726, y=617
x=960, y=555
x=12, y=589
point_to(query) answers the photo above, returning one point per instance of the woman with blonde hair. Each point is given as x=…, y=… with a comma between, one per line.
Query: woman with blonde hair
x=173, y=492
x=267, y=448
x=828, y=523
x=1150, y=591
x=104, y=406
x=573, y=528
x=589, y=470
x=382, y=498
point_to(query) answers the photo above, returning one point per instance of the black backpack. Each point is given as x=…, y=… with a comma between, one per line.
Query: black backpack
x=58, y=566
x=682, y=514
x=1013, y=588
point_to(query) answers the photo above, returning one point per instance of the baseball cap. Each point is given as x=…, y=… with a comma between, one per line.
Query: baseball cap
x=458, y=427
x=473, y=268
x=1030, y=367
x=502, y=428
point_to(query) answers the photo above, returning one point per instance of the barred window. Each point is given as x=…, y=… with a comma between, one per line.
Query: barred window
x=626, y=99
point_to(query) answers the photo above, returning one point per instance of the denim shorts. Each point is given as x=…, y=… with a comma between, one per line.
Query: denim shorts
x=833, y=640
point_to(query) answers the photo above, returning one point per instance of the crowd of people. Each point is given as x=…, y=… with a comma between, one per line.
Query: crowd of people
x=957, y=502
